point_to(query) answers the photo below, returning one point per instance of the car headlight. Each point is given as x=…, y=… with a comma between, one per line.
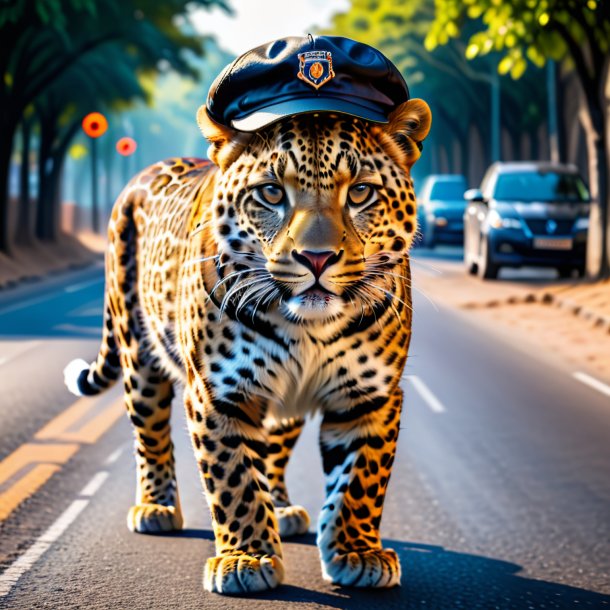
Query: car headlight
x=499, y=222
x=582, y=224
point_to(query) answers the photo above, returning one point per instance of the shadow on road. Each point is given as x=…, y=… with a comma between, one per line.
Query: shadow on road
x=436, y=578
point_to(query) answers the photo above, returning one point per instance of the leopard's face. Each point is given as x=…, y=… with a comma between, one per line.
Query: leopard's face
x=314, y=214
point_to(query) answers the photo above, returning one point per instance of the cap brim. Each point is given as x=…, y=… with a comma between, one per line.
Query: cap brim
x=275, y=112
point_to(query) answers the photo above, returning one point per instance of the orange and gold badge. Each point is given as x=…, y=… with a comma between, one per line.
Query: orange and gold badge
x=315, y=67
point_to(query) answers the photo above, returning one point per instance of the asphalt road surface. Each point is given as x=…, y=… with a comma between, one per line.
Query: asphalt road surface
x=500, y=496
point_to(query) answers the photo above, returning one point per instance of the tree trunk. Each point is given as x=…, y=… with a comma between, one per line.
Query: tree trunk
x=45, y=167
x=25, y=233
x=7, y=136
x=594, y=117
x=54, y=198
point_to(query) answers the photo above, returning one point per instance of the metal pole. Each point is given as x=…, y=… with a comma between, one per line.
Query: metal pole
x=125, y=171
x=496, y=153
x=552, y=110
x=95, y=221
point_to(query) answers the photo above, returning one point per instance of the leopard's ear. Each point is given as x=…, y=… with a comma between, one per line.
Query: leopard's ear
x=408, y=126
x=226, y=144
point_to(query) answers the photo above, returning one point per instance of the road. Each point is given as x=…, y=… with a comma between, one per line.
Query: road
x=500, y=496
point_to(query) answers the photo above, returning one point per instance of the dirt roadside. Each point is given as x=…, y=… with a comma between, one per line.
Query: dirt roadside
x=564, y=320
x=42, y=259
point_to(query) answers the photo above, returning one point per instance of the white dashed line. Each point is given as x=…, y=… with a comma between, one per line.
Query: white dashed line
x=10, y=577
x=114, y=456
x=81, y=285
x=429, y=398
x=94, y=484
x=28, y=303
x=596, y=384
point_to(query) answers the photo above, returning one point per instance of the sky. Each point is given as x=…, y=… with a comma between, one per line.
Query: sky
x=258, y=21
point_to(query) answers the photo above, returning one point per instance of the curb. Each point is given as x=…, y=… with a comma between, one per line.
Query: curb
x=547, y=298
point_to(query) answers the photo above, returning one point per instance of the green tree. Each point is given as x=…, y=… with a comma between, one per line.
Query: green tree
x=458, y=90
x=44, y=40
x=574, y=30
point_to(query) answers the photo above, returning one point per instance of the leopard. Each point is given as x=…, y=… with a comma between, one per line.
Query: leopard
x=269, y=282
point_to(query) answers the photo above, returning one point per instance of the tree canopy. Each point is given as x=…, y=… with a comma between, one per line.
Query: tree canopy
x=67, y=58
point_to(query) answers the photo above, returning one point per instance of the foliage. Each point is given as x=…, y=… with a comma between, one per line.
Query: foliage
x=67, y=57
x=535, y=30
x=527, y=29
x=457, y=89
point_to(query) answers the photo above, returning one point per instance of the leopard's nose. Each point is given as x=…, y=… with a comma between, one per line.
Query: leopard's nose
x=317, y=262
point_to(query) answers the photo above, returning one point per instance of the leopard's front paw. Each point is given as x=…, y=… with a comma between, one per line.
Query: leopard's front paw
x=240, y=573
x=372, y=568
x=154, y=518
x=293, y=520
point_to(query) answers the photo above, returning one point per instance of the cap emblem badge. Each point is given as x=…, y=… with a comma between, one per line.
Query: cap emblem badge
x=315, y=67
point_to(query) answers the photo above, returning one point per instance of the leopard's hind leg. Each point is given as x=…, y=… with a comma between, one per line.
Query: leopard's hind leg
x=293, y=520
x=148, y=397
x=148, y=390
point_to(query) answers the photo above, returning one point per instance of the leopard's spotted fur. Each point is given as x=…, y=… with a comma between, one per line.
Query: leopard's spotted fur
x=202, y=288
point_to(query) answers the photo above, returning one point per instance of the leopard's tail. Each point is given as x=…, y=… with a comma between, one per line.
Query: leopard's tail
x=84, y=379
x=80, y=377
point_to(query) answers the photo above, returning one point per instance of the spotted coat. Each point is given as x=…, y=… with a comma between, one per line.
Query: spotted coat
x=270, y=284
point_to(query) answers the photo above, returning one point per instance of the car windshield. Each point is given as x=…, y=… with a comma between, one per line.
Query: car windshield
x=541, y=186
x=448, y=191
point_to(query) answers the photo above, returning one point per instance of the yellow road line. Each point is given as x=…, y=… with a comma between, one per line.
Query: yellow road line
x=65, y=420
x=35, y=463
x=30, y=453
x=93, y=429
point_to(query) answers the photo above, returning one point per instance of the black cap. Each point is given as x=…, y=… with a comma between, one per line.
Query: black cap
x=306, y=74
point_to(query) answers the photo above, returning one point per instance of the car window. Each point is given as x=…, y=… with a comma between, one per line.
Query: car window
x=447, y=191
x=541, y=186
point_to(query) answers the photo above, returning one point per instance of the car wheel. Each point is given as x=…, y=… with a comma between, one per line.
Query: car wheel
x=488, y=269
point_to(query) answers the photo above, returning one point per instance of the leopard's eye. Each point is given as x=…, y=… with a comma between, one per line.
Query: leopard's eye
x=360, y=195
x=271, y=194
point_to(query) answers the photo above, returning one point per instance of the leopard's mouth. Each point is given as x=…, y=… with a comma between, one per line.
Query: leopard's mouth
x=317, y=292
x=314, y=303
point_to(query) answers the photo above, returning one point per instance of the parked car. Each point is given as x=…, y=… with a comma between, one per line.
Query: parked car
x=527, y=213
x=441, y=210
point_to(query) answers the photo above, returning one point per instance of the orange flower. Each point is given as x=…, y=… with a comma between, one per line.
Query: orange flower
x=126, y=146
x=95, y=124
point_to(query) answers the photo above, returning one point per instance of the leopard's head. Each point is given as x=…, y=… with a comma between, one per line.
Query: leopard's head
x=314, y=213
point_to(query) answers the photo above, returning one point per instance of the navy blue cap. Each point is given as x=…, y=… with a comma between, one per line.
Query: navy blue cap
x=298, y=75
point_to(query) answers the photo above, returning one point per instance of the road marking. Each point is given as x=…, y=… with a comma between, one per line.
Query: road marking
x=10, y=577
x=26, y=347
x=90, y=331
x=61, y=428
x=28, y=303
x=114, y=456
x=46, y=297
x=32, y=464
x=592, y=382
x=429, y=398
x=77, y=287
x=91, y=488
x=43, y=462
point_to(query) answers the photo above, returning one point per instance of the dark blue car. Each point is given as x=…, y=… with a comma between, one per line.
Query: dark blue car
x=441, y=210
x=527, y=214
